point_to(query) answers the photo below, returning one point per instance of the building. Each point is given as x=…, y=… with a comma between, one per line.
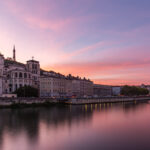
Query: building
x=86, y=87
x=52, y=86
x=116, y=90
x=57, y=85
x=102, y=90
x=81, y=87
x=33, y=66
x=1, y=73
x=14, y=75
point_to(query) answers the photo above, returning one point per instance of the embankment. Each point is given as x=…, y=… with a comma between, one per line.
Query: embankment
x=80, y=101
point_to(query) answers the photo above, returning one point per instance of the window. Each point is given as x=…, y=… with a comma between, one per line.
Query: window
x=20, y=75
x=25, y=75
x=8, y=76
x=32, y=66
x=16, y=74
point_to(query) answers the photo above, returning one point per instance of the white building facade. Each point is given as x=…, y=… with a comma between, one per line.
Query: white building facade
x=14, y=75
x=116, y=90
x=52, y=86
x=57, y=85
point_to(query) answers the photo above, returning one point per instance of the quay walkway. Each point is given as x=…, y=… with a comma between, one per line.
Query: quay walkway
x=9, y=102
x=117, y=99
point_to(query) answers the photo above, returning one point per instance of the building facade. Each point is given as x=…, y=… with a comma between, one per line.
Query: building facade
x=57, y=85
x=1, y=73
x=102, y=90
x=116, y=90
x=14, y=75
x=52, y=86
x=82, y=88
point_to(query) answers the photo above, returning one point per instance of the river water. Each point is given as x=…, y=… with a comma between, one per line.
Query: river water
x=85, y=127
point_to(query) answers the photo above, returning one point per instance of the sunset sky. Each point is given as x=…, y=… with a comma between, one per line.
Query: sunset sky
x=107, y=41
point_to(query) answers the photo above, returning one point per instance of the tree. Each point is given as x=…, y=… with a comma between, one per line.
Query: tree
x=133, y=91
x=27, y=91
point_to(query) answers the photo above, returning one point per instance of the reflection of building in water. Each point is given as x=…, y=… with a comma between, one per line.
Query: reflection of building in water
x=28, y=121
x=69, y=114
x=18, y=120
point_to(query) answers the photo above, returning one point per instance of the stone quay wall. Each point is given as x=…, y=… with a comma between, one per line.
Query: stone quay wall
x=106, y=100
x=6, y=102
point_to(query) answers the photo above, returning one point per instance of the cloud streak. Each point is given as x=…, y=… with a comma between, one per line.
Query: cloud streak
x=81, y=37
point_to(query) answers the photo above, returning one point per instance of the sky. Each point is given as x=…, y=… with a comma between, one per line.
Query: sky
x=107, y=41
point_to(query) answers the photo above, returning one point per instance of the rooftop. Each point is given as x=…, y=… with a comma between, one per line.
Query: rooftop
x=12, y=62
x=33, y=61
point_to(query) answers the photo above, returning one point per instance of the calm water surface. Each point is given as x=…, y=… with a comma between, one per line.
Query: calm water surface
x=89, y=127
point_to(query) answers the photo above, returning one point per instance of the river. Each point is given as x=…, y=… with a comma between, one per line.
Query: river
x=112, y=126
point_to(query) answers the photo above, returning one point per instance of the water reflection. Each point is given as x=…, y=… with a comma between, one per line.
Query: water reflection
x=95, y=126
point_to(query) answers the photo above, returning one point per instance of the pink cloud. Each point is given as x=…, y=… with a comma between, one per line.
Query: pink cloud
x=46, y=24
x=126, y=72
x=103, y=66
x=116, y=82
x=36, y=18
x=84, y=50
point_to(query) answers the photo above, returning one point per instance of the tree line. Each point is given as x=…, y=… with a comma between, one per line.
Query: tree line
x=27, y=91
x=133, y=91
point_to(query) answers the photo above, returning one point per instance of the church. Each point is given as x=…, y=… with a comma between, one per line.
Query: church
x=14, y=75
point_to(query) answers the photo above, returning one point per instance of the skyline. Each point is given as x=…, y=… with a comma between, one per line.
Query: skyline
x=105, y=41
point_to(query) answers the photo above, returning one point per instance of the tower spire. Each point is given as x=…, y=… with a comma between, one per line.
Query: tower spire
x=14, y=53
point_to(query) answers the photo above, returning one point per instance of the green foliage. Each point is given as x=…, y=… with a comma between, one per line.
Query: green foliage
x=133, y=91
x=27, y=91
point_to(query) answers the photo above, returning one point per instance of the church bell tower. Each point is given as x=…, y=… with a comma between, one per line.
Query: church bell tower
x=14, y=54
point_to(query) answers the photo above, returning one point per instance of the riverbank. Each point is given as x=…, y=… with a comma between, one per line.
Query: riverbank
x=118, y=99
x=32, y=102
x=25, y=102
